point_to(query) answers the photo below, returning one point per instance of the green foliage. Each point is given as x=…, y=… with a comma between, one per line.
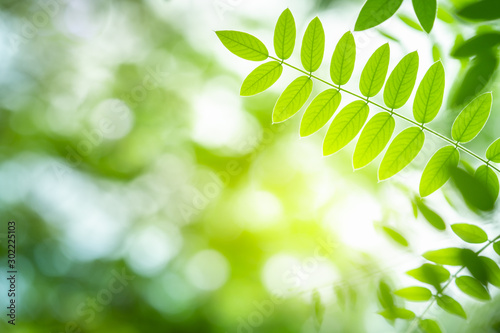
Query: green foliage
x=243, y=45
x=482, y=10
x=438, y=170
x=489, y=179
x=470, y=233
x=385, y=296
x=284, y=35
x=492, y=270
x=261, y=78
x=450, y=305
x=319, y=309
x=450, y=256
x=320, y=111
x=429, y=96
x=431, y=216
x=292, y=99
x=472, y=119
x=430, y=274
x=396, y=236
x=409, y=22
x=313, y=46
x=426, y=11
x=472, y=287
x=496, y=247
x=397, y=313
x=343, y=59
x=374, y=73
x=375, y=12
x=474, y=191
x=401, y=81
x=416, y=294
x=429, y=326
x=493, y=152
x=477, y=45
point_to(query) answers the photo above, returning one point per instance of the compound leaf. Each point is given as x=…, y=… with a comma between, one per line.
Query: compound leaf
x=401, y=81
x=374, y=73
x=261, y=78
x=343, y=59
x=319, y=111
x=472, y=119
x=437, y=171
x=292, y=99
x=313, y=46
x=429, y=96
x=243, y=45
x=284, y=35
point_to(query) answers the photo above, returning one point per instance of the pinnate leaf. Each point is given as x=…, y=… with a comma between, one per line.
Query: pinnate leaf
x=374, y=73
x=401, y=81
x=319, y=111
x=438, y=170
x=284, y=35
x=429, y=96
x=343, y=59
x=472, y=119
x=261, y=78
x=243, y=45
x=313, y=46
x=292, y=99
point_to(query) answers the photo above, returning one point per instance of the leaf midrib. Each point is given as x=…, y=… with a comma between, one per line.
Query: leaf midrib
x=404, y=150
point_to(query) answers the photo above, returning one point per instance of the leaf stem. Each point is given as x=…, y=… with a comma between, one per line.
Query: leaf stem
x=392, y=112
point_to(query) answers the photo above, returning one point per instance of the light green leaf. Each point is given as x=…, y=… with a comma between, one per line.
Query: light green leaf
x=472, y=287
x=397, y=313
x=496, y=247
x=451, y=306
x=292, y=99
x=345, y=126
x=472, y=118
x=492, y=269
x=261, y=78
x=430, y=274
x=409, y=22
x=243, y=45
x=375, y=12
x=284, y=35
x=402, y=150
x=396, y=236
x=313, y=46
x=416, y=294
x=374, y=73
x=385, y=296
x=429, y=95
x=450, y=256
x=431, y=216
x=343, y=59
x=429, y=326
x=426, y=11
x=469, y=233
x=319, y=111
x=437, y=171
x=489, y=179
x=401, y=81
x=493, y=152
x=373, y=139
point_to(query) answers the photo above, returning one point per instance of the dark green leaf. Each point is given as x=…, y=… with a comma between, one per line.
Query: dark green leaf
x=313, y=46
x=476, y=45
x=493, y=271
x=438, y=170
x=483, y=10
x=472, y=119
x=451, y=306
x=475, y=266
x=489, y=179
x=470, y=233
x=243, y=45
x=343, y=59
x=472, y=287
x=401, y=81
x=319, y=111
x=450, y=256
x=374, y=73
x=284, y=35
x=292, y=99
x=261, y=78
x=375, y=12
x=417, y=294
x=426, y=11
x=475, y=193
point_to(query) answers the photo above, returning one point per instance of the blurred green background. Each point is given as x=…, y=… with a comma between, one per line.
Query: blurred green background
x=150, y=197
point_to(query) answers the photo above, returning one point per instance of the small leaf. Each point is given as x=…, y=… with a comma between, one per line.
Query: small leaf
x=292, y=99
x=409, y=22
x=438, y=170
x=450, y=256
x=345, y=126
x=451, y=306
x=472, y=119
x=313, y=46
x=472, y=287
x=417, y=294
x=319, y=309
x=385, y=296
x=477, y=44
x=469, y=233
x=489, y=179
x=373, y=139
x=496, y=247
x=426, y=11
x=396, y=236
x=444, y=15
x=475, y=193
x=475, y=266
x=397, y=313
x=429, y=95
x=430, y=274
x=493, y=152
x=261, y=78
x=401, y=81
x=429, y=326
x=284, y=35
x=374, y=73
x=375, y=12
x=343, y=59
x=402, y=150
x=493, y=271
x=243, y=45
x=431, y=216
x=319, y=111
x=483, y=10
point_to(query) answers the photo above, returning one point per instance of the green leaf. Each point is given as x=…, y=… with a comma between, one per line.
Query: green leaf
x=401, y=81
x=374, y=73
x=475, y=266
x=313, y=46
x=396, y=236
x=375, y=12
x=345, y=126
x=284, y=35
x=343, y=59
x=385, y=296
x=430, y=274
x=444, y=15
x=243, y=45
x=450, y=256
x=417, y=294
x=469, y=233
x=397, y=313
x=493, y=152
x=429, y=326
x=373, y=139
x=431, y=216
x=429, y=96
x=261, y=78
x=484, y=10
x=496, y=247
x=477, y=44
x=436, y=52
x=409, y=22
x=320, y=111
x=292, y=99
x=451, y=306
x=426, y=11
x=472, y=287
x=489, y=179
x=475, y=193
x=402, y=150
x=493, y=271
x=438, y=170
x=472, y=119
x=319, y=308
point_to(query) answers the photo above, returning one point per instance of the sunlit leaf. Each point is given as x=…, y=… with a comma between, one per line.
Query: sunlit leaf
x=261, y=78
x=493, y=271
x=345, y=126
x=375, y=12
x=444, y=15
x=489, y=179
x=374, y=73
x=429, y=96
x=313, y=46
x=470, y=233
x=471, y=120
x=483, y=10
x=493, y=152
x=477, y=44
x=319, y=111
x=472, y=287
x=397, y=313
x=431, y=216
x=409, y=22
x=243, y=45
x=373, y=139
x=450, y=256
x=417, y=294
x=426, y=11
x=475, y=193
x=438, y=170
x=343, y=59
x=292, y=99
x=284, y=35
x=401, y=81
x=451, y=306
x=396, y=236
x=430, y=274
x=429, y=326
x=402, y=150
